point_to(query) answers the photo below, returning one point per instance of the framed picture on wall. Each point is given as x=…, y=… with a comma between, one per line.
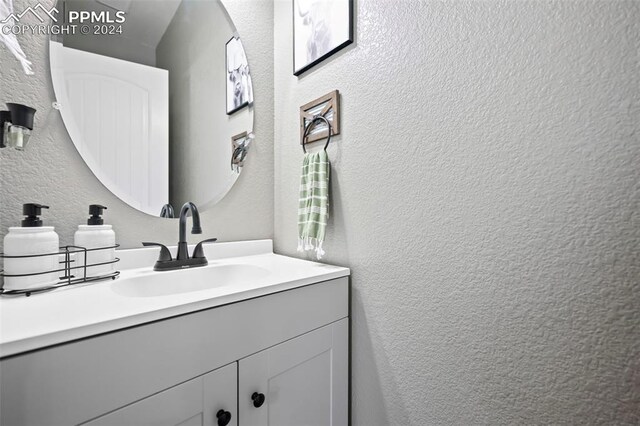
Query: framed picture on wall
x=239, y=93
x=320, y=29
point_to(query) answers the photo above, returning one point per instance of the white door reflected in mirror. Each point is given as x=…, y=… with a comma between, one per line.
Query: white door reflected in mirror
x=146, y=102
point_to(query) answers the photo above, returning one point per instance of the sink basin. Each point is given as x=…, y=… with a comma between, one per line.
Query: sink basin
x=152, y=284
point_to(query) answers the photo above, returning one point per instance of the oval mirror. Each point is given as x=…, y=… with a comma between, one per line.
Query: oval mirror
x=156, y=96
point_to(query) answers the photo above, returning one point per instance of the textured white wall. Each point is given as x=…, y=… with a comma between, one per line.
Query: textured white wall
x=486, y=196
x=51, y=171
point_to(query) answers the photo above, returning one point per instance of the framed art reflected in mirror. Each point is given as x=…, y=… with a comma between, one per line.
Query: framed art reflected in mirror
x=239, y=93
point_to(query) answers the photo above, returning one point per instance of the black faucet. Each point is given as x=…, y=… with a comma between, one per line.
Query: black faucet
x=183, y=253
x=167, y=211
x=165, y=262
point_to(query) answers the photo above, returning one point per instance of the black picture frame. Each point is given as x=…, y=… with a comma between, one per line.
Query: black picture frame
x=236, y=107
x=332, y=51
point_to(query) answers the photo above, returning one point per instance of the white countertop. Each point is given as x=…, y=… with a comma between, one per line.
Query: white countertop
x=76, y=312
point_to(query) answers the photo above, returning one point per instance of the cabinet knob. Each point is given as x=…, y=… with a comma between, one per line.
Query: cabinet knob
x=258, y=399
x=224, y=417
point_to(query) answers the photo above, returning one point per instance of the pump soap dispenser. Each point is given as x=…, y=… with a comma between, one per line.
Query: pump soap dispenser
x=95, y=236
x=32, y=240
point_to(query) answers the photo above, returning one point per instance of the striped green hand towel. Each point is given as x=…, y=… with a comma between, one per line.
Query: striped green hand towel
x=313, y=209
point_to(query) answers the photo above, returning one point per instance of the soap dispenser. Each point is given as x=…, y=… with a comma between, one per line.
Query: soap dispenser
x=33, y=241
x=95, y=235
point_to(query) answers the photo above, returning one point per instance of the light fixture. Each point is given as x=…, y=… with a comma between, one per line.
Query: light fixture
x=5, y=117
x=16, y=126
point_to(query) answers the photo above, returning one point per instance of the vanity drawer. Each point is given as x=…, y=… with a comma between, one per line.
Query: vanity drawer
x=79, y=381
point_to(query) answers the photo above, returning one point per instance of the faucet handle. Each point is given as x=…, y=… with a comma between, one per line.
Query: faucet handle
x=198, y=252
x=165, y=254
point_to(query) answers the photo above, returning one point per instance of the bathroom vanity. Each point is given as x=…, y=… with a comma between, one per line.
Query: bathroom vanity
x=251, y=339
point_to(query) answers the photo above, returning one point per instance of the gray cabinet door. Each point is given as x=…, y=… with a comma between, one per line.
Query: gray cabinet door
x=193, y=403
x=304, y=381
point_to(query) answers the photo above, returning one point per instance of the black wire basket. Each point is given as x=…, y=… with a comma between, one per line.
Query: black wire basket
x=68, y=270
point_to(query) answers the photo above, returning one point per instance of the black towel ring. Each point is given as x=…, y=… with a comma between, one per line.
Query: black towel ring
x=310, y=125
